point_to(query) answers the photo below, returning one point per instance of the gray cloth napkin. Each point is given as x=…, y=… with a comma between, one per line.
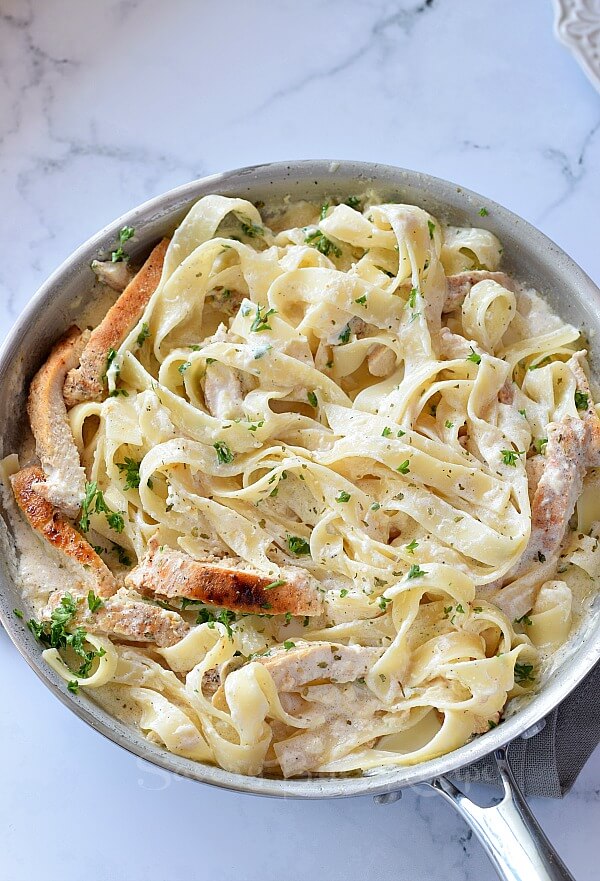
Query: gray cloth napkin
x=549, y=763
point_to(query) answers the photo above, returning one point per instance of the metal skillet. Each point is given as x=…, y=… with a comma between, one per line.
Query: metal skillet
x=508, y=831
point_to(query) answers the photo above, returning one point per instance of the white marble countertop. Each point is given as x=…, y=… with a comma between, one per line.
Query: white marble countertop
x=105, y=104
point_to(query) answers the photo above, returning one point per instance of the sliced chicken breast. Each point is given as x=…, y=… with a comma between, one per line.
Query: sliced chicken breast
x=57, y=531
x=315, y=661
x=223, y=391
x=86, y=383
x=554, y=500
x=227, y=583
x=63, y=482
x=459, y=285
x=124, y=618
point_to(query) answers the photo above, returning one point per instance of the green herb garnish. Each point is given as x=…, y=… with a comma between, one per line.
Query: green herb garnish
x=224, y=454
x=298, y=546
x=131, y=469
x=324, y=245
x=509, y=457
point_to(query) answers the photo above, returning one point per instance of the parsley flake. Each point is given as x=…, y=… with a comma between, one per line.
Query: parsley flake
x=224, y=454
x=131, y=469
x=298, y=546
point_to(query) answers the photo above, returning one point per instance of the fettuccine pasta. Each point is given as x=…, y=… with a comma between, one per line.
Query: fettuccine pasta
x=333, y=471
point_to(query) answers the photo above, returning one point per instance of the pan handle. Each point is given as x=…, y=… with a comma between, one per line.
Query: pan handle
x=508, y=831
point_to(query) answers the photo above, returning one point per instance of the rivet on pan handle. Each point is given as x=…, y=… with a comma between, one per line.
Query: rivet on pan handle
x=508, y=831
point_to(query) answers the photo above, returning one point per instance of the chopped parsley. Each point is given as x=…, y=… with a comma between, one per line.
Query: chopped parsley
x=288, y=644
x=251, y=230
x=110, y=357
x=412, y=298
x=581, y=400
x=224, y=454
x=226, y=618
x=353, y=202
x=298, y=546
x=18, y=613
x=86, y=505
x=539, y=444
x=483, y=212
x=261, y=321
x=387, y=432
x=119, y=392
x=431, y=227
x=278, y=583
x=383, y=602
x=449, y=424
x=344, y=337
x=312, y=399
x=524, y=619
x=122, y=556
x=260, y=352
x=143, y=334
x=118, y=255
x=93, y=502
x=343, y=497
x=412, y=546
x=325, y=246
x=126, y=233
x=324, y=210
x=183, y=367
x=343, y=592
x=524, y=673
x=73, y=686
x=94, y=602
x=131, y=469
x=362, y=301
x=539, y=364
x=415, y=571
x=509, y=457
x=474, y=357
x=404, y=468
x=54, y=633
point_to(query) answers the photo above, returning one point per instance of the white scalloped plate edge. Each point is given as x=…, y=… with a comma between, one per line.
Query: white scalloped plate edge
x=577, y=25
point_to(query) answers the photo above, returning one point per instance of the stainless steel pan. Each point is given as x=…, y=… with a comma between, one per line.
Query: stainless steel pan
x=508, y=830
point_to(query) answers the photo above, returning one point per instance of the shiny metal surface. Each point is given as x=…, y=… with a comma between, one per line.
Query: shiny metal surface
x=508, y=831
x=530, y=255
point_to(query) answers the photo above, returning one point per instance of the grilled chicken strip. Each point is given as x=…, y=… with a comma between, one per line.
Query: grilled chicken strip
x=53, y=526
x=315, y=661
x=170, y=573
x=63, y=482
x=459, y=285
x=588, y=414
x=85, y=382
x=553, y=504
x=125, y=618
